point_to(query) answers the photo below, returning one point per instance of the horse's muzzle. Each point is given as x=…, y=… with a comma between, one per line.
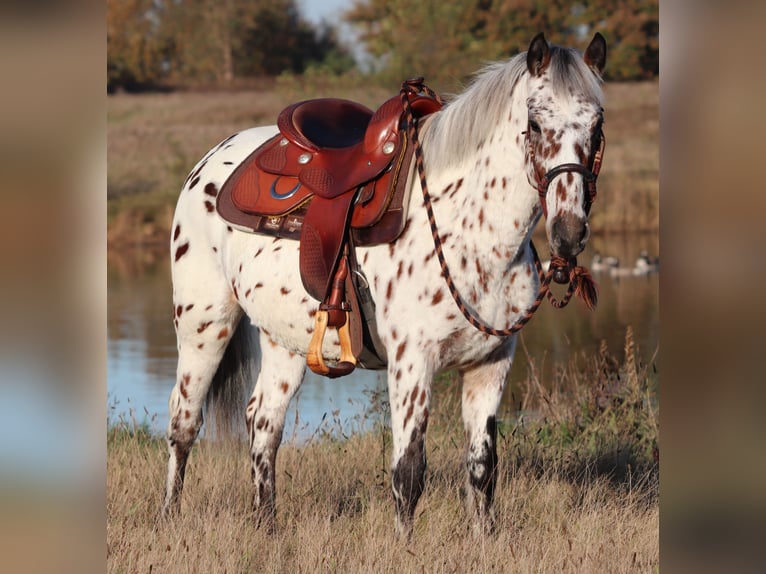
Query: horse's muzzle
x=568, y=235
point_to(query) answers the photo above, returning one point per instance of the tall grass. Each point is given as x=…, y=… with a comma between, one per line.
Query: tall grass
x=578, y=490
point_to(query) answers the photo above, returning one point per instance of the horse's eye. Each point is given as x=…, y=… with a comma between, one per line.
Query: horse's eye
x=534, y=126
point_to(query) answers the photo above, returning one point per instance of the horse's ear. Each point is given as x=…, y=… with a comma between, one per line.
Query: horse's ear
x=538, y=55
x=595, y=54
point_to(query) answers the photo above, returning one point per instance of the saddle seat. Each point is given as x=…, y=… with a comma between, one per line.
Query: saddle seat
x=338, y=144
x=325, y=123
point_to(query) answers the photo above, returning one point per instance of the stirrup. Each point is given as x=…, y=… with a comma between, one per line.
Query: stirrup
x=314, y=359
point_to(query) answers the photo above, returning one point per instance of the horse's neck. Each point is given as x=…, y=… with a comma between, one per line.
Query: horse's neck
x=494, y=207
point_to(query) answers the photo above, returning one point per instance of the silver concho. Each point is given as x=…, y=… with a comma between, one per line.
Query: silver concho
x=304, y=158
x=388, y=147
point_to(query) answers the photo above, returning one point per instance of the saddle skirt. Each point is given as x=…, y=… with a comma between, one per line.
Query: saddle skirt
x=257, y=200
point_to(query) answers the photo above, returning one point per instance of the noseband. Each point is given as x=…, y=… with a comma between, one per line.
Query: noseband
x=564, y=271
x=589, y=175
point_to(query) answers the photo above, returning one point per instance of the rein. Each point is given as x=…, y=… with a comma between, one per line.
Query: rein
x=560, y=270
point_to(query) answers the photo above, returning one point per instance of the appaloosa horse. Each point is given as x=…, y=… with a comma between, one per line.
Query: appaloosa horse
x=518, y=144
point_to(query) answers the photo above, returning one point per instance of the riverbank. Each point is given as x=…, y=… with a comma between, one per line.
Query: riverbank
x=153, y=141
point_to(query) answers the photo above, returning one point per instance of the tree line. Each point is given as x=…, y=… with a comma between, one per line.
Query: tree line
x=169, y=42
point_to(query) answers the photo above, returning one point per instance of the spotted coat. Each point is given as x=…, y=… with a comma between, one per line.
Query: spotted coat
x=486, y=210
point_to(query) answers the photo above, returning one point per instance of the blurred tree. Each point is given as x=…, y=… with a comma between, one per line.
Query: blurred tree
x=276, y=38
x=511, y=24
x=436, y=39
x=631, y=29
x=212, y=41
x=446, y=40
x=133, y=43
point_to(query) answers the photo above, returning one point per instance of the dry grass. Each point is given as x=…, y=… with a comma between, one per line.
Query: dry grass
x=153, y=141
x=578, y=492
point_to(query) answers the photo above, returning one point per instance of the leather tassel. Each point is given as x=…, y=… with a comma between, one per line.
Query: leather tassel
x=585, y=287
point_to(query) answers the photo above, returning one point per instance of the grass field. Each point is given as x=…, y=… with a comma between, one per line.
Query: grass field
x=578, y=490
x=153, y=141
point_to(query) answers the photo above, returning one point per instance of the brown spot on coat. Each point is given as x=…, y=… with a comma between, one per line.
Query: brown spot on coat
x=223, y=333
x=211, y=190
x=408, y=416
x=203, y=326
x=437, y=297
x=400, y=349
x=182, y=250
x=177, y=232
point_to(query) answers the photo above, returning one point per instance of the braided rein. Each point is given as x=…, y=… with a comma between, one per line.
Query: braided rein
x=559, y=270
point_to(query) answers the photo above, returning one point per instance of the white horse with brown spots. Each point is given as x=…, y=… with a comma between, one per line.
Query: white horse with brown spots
x=485, y=156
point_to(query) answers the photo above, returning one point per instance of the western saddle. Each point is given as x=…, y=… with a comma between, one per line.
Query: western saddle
x=334, y=177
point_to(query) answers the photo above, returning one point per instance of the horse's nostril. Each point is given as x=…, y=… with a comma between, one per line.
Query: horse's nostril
x=569, y=235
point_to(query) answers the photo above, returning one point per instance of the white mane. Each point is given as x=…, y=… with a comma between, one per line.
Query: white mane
x=467, y=119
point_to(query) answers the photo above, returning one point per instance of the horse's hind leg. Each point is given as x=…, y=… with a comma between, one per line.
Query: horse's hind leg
x=203, y=331
x=280, y=375
x=482, y=391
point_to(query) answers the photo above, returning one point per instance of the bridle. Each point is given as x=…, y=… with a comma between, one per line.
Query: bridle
x=589, y=174
x=561, y=271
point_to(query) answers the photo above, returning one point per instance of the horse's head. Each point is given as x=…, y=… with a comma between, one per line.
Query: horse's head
x=564, y=140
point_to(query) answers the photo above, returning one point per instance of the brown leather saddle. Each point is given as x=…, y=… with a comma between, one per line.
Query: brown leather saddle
x=335, y=177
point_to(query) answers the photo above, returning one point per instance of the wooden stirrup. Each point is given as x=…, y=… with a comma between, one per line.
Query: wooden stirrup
x=314, y=359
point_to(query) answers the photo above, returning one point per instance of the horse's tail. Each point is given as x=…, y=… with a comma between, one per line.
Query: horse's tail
x=233, y=383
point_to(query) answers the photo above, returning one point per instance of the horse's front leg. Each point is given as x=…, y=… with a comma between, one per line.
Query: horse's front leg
x=482, y=391
x=280, y=375
x=409, y=387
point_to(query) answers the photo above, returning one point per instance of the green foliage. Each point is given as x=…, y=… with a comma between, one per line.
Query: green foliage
x=134, y=43
x=631, y=28
x=598, y=417
x=444, y=40
x=440, y=40
x=209, y=41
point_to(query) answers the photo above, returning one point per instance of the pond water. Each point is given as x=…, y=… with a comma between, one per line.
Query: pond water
x=141, y=348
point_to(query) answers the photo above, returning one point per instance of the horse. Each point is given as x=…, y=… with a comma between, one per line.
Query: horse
x=515, y=146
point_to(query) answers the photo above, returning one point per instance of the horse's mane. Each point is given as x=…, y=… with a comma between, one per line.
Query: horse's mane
x=468, y=118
